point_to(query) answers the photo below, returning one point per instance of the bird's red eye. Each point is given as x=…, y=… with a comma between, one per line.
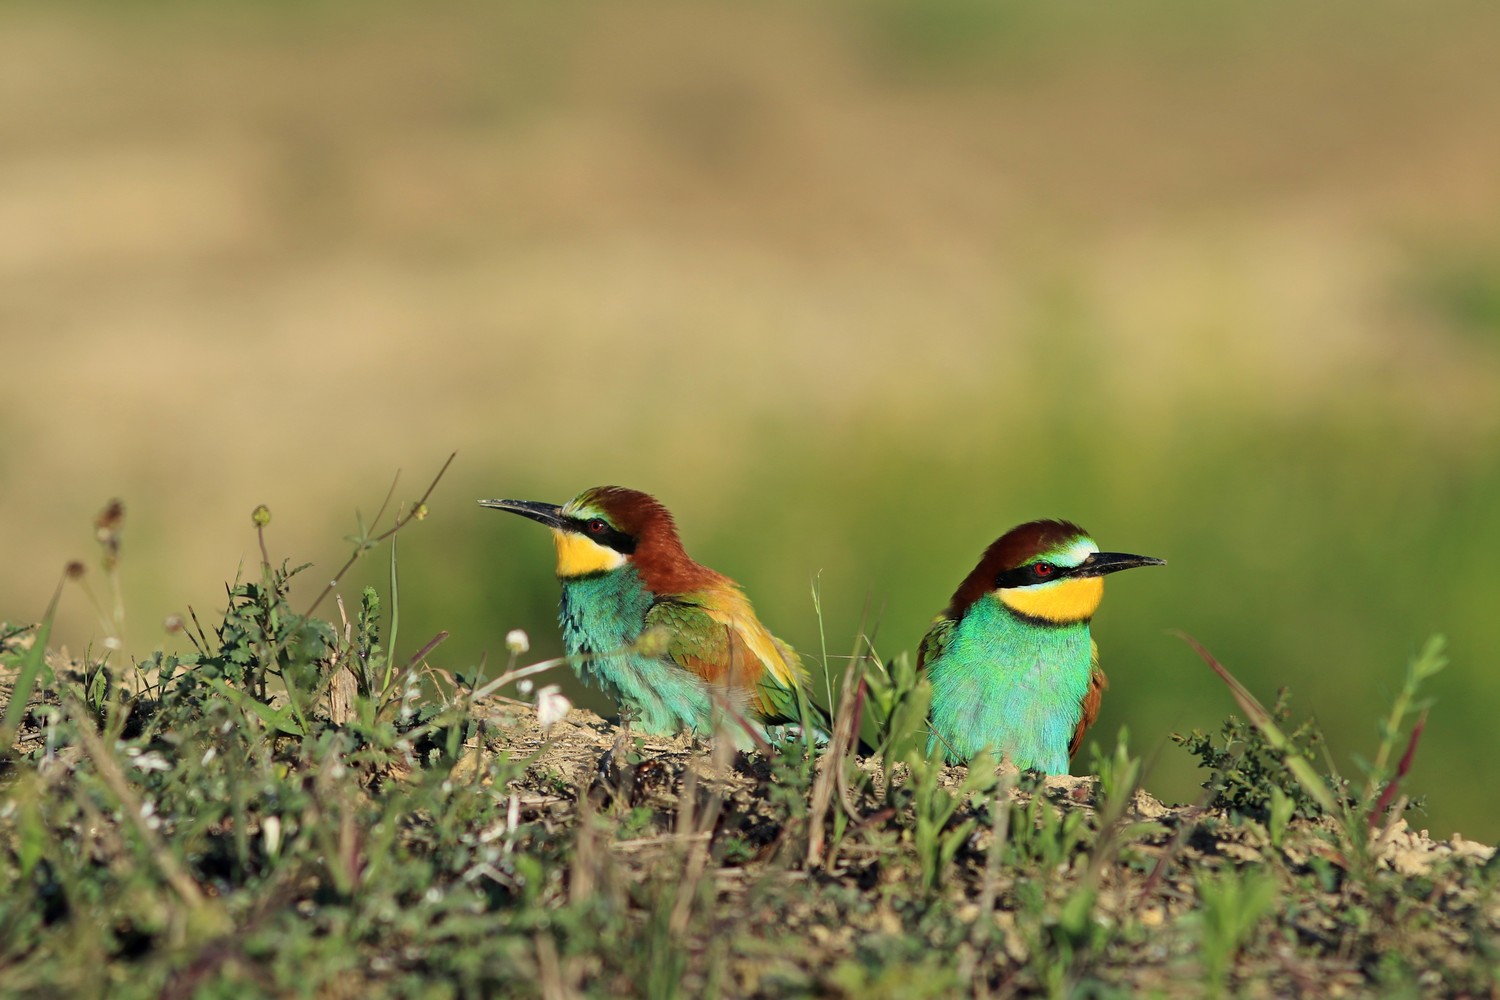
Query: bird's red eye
x=1042, y=569
x=596, y=526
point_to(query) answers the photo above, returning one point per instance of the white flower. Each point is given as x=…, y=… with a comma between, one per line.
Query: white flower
x=147, y=760
x=551, y=706
x=270, y=832
x=517, y=641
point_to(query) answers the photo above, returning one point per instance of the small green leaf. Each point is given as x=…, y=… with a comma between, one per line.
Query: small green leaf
x=33, y=663
x=282, y=719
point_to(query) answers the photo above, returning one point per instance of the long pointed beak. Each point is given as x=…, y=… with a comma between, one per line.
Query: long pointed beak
x=549, y=514
x=1101, y=563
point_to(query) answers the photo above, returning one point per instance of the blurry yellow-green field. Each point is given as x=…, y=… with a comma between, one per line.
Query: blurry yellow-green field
x=852, y=292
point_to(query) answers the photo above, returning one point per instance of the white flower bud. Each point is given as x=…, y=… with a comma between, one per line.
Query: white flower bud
x=270, y=831
x=551, y=706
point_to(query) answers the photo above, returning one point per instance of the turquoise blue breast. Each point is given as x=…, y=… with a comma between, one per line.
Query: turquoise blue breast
x=602, y=616
x=1012, y=685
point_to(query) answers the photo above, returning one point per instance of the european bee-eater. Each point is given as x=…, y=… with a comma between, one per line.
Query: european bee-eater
x=1011, y=661
x=661, y=634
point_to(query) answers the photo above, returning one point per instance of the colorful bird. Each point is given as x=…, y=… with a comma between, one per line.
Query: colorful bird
x=670, y=640
x=1011, y=662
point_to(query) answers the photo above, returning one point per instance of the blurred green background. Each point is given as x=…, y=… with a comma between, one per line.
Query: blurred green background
x=852, y=290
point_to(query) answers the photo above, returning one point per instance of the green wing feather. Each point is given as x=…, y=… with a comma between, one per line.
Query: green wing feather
x=935, y=642
x=700, y=643
x=695, y=641
x=708, y=642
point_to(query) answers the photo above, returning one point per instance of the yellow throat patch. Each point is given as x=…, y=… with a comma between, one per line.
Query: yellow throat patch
x=580, y=556
x=1062, y=602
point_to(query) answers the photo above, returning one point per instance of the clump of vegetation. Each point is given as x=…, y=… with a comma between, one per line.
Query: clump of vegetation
x=300, y=806
x=1249, y=776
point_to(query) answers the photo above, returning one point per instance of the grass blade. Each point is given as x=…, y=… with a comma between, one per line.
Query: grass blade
x=1402, y=767
x=33, y=662
x=1306, y=775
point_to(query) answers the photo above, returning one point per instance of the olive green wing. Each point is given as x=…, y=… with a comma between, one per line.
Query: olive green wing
x=731, y=650
x=936, y=641
x=689, y=636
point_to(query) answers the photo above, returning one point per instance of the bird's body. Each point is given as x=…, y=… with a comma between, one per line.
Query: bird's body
x=672, y=641
x=603, y=618
x=1011, y=662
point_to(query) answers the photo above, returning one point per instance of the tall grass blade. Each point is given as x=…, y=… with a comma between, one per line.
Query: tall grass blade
x=1306, y=775
x=33, y=662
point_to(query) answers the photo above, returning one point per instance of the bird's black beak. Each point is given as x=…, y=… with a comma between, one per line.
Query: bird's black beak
x=549, y=514
x=1101, y=563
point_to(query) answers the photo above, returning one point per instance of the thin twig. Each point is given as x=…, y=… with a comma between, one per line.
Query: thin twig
x=831, y=764
x=659, y=840
x=700, y=836
x=402, y=520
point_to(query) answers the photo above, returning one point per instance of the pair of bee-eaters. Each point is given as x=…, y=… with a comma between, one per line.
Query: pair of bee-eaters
x=1011, y=662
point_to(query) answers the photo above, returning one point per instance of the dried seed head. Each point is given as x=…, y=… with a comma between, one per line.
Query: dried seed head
x=107, y=531
x=108, y=521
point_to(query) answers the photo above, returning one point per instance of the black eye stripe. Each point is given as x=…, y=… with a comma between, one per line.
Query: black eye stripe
x=1025, y=576
x=609, y=536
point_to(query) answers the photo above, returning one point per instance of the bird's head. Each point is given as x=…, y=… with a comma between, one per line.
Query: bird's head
x=1048, y=571
x=607, y=527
